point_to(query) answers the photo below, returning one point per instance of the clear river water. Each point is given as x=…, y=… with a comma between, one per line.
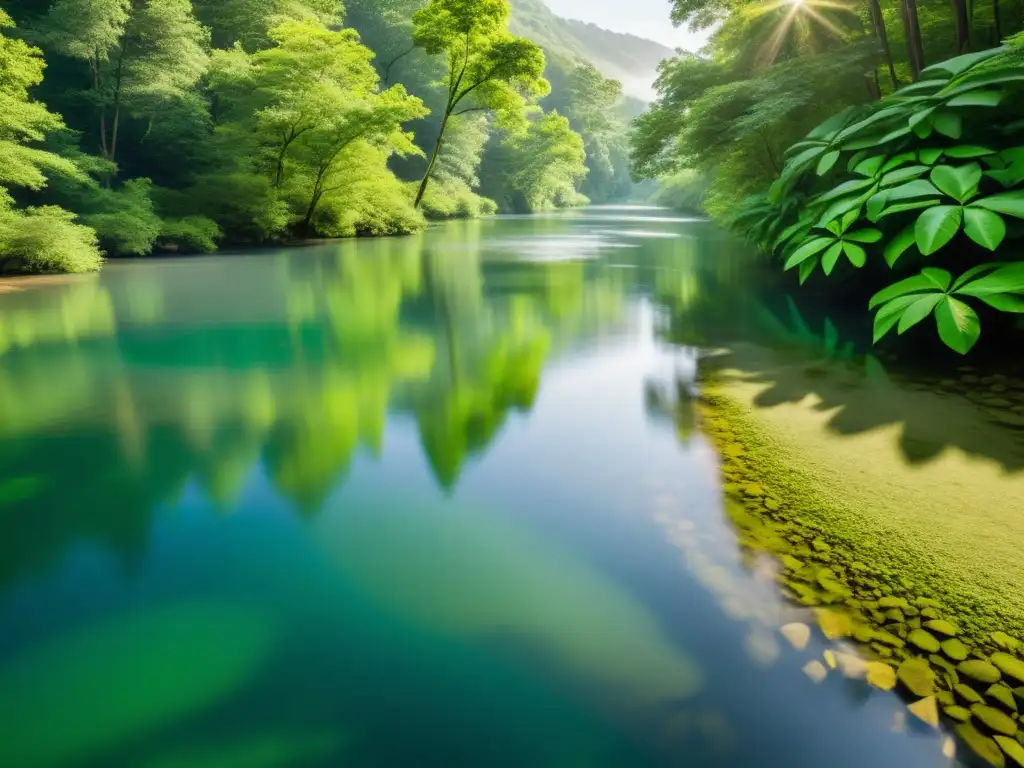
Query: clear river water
x=428, y=501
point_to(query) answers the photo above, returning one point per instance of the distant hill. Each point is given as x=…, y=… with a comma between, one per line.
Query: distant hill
x=627, y=58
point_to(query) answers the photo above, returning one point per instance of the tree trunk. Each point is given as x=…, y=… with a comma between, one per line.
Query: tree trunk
x=912, y=30
x=963, y=27
x=433, y=159
x=998, y=22
x=878, y=22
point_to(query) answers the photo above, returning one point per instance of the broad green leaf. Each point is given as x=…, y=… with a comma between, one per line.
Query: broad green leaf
x=865, y=235
x=915, y=284
x=857, y=255
x=840, y=208
x=939, y=278
x=976, y=99
x=929, y=156
x=959, y=182
x=877, y=117
x=959, y=64
x=985, y=228
x=936, y=227
x=833, y=227
x=958, y=325
x=849, y=218
x=1010, y=203
x=827, y=161
x=793, y=229
x=975, y=80
x=901, y=207
x=1004, y=302
x=918, y=311
x=804, y=145
x=973, y=272
x=854, y=185
x=889, y=314
x=878, y=140
x=1007, y=177
x=876, y=204
x=855, y=159
x=870, y=166
x=897, y=160
x=903, y=174
x=1008, y=278
x=831, y=257
x=807, y=250
x=807, y=268
x=898, y=245
x=916, y=188
x=930, y=86
x=962, y=151
x=948, y=124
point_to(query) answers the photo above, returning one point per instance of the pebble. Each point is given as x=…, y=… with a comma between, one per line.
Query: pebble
x=924, y=640
x=917, y=677
x=816, y=671
x=881, y=675
x=958, y=713
x=979, y=671
x=1002, y=694
x=943, y=627
x=994, y=719
x=954, y=649
x=797, y=634
x=1009, y=665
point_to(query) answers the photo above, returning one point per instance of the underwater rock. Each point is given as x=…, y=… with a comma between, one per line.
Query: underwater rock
x=834, y=624
x=881, y=675
x=917, y=677
x=1002, y=694
x=797, y=634
x=954, y=649
x=926, y=710
x=967, y=694
x=984, y=747
x=942, y=627
x=979, y=671
x=958, y=713
x=1013, y=750
x=1009, y=665
x=816, y=671
x=993, y=719
x=924, y=640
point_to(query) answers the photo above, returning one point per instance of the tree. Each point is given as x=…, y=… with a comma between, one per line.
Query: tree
x=487, y=69
x=38, y=239
x=550, y=161
x=140, y=55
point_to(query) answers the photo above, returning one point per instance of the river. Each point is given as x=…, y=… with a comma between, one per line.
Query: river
x=438, y=501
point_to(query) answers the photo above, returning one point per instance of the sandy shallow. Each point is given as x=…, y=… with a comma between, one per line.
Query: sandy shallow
x=923, y=485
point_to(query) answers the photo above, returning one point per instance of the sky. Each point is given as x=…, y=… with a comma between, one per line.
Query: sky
x=644, y=18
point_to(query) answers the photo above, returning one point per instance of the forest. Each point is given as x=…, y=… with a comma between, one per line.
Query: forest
x=873, y=148
x=132, y=127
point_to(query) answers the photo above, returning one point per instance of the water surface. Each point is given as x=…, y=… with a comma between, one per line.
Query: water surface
x=422, y=501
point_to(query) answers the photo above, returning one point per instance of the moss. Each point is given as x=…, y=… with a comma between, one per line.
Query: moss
x=1009, y=665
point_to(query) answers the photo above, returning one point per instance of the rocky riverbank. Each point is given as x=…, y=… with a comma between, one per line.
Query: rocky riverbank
x=935, y=629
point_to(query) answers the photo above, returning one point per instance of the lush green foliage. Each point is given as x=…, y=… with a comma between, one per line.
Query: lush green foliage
x=933, y=172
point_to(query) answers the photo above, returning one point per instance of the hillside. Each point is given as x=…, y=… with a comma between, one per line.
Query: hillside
x=627, y=58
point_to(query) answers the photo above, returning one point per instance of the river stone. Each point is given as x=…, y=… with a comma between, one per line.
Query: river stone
x=1013, y=750
x=954, y=649
x=926, y=710
x=797, y=634
x=923, y=640
x=979, y=671
x=968, y=694
x=892, y=602
x=993, y=719
x=943, y=627
x=1009, y=665
x=862, y=633
x=816, y=671
x=881, y=675
x=960, y=714
x=894, y=616
x=1006, y=642
x=834, y=624
x=981, y=745
x=1001, y=693
x=946, y=698
x=929, y=613
x=917, y=677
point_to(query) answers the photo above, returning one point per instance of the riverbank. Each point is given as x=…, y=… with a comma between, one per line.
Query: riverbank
x=906, y=541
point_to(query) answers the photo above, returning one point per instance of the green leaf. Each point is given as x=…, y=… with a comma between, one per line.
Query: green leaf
x=977, y=99
x=914, y=284
x=932, y=85
x=807, y=268
x=903, y=174
x=960, y=64
x=878, y=140
x=831, y=257
x=1008, y=278
x=975, y=80
x=854, y=185
x=949, y=124
x=918, y=311
x=1004, y=302
x=958, y=325
x=808, y=249
x=936, y=227
x=889, y=314
x=968, y=150
x=929, y=156
x=1010, y=203
x=840, y=208
x=857, y=255
x=849, y=218
x=973, y=272
x=960, y=182
x=870, y=166
x=827, y=161
x=866, y=235
x=897, y=160
x=877, y=117
x=985, y=228
x=916, y=188
x=901, y=207
x=939, y=278
x=792, y=230
x=876, y=204
x=1007, y=177
x=899, y=243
